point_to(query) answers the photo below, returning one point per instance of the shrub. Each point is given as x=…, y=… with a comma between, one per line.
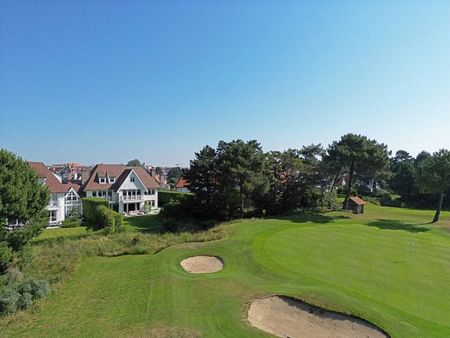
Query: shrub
x=5, y=256
x=329, y=200
x=14, y=297
x=391, y=201
x=109, y=220
x=165, y=196
x=90, y=205
x=71, y=222
x=9, y=299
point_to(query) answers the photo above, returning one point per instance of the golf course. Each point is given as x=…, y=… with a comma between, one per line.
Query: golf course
x=387, y=266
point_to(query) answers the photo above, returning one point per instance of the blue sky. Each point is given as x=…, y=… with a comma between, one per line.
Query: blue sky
x=108, y=81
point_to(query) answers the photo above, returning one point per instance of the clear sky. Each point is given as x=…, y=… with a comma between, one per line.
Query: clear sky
x=108, y=81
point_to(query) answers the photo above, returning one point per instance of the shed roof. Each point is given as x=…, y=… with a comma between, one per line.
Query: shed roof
x=357, y=200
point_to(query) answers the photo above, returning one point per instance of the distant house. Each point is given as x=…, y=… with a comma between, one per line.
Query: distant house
x=65, y=198
x=356, y=205
x=128, y=189
x=181, y=185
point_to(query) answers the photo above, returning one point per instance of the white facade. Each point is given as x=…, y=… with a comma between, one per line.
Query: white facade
x=55, y=209
x=62, y=205
x=131, y=196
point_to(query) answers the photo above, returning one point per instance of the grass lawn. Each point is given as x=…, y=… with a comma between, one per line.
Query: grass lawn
x=60, y=232
x=388, y=266
x=146, y=224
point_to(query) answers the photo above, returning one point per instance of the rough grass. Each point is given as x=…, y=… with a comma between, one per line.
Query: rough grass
x=359, y=264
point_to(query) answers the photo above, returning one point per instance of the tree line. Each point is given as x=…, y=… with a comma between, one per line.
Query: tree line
x=238, y=179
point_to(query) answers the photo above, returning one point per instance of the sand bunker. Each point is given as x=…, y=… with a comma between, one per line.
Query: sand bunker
x=202, y=264
x=288, y=317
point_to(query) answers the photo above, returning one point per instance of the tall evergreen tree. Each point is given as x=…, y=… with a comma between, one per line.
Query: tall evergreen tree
x=241, y=166
x=360, y=155
x=433, y=176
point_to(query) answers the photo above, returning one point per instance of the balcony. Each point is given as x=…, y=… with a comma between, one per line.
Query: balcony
x=132, y=198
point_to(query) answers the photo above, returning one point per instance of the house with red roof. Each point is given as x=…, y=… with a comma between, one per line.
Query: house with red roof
x=65, y=198
x=181, y=185
x=129, y=190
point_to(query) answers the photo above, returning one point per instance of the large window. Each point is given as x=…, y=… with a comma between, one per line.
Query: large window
x=73, y=204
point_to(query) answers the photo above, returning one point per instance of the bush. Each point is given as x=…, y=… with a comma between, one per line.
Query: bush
x=5, y=256
x=329, y=200
x=391, y=201
x=9, y=299
x=165, y=196
x=71, y=222
x=109, y=220
x=90, y=205
x=14, y=297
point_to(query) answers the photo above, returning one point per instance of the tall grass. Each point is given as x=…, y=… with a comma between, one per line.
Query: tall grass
x=53, y=260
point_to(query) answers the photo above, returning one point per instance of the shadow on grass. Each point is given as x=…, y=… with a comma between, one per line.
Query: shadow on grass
x=313, y=217
x=391, y=224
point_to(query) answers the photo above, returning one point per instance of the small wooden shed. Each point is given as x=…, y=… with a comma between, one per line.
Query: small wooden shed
x=356, y=205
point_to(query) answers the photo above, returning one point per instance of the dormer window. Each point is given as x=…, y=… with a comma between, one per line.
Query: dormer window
x=112, y=179
x=102, y=179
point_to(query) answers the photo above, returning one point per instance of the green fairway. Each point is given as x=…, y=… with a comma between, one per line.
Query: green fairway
x=387, y=266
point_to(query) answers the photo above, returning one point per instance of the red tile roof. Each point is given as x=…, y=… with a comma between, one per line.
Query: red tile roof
x=53, y=184
x=357, y=200
x=75, y=187
x=181, y=183
x=120, y=172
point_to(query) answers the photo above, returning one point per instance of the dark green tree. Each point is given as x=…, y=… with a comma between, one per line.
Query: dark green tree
x=403, y=172
x=174, y=175
x=241, y=165
x=360, y=156
x=202, y=177
x=22, y=198
x=433, y=176
x=135, y=163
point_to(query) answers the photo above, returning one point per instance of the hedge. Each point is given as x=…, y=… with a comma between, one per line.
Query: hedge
x=109, y=219
x=90, y=205
x=166, y=196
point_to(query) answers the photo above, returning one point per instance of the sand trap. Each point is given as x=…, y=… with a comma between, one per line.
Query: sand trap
x=288, y=317
x=202, y=264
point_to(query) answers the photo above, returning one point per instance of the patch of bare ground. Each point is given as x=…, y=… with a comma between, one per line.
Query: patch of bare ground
x=202, y=264
x=288, y=317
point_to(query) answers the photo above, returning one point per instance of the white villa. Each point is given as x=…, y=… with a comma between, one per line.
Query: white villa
x=65, y=198
x=128, y=189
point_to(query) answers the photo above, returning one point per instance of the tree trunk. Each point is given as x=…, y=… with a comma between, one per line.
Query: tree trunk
x=439, y=208
x=349, y=186
x=336, y=178
x=374, y=186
